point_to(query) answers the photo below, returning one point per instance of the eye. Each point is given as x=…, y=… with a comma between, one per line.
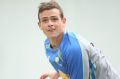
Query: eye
x=44, y=20
x=54, y=19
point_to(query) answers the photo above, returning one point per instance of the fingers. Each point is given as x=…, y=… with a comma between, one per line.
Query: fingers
x=51, y=75
x=53, y=0
x=44, y=76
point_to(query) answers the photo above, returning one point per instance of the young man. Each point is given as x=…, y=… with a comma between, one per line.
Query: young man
x=71, y=55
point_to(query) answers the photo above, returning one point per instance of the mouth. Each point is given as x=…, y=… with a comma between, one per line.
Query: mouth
x=51, y=30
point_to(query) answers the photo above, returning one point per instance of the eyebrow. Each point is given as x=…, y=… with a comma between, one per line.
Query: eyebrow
x=53, y=16
x=44, y=17
x=47, y=17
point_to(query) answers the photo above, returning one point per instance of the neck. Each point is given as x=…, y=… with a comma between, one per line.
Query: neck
x=54, y=42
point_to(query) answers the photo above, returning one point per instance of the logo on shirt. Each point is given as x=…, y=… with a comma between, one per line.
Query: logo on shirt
x=58, y=59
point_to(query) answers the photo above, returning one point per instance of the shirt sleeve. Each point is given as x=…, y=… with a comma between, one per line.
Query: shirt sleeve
x=103, y=69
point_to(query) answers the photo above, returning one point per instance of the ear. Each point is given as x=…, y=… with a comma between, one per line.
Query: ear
x=64, y=20
x=39, y=24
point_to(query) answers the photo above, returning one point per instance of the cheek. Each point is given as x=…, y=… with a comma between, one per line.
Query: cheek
x=43, y=26
x=40, y=26
x=61, y=26
x=43, y=29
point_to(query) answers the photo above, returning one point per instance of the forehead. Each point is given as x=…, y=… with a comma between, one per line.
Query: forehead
x=49, y=13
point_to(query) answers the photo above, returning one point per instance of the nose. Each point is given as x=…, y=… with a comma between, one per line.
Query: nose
x=50, y=23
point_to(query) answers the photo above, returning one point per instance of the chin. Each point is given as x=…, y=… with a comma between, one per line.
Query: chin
x=53, y=35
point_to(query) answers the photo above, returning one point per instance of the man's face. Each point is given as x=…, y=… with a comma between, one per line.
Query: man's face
x=51, y=23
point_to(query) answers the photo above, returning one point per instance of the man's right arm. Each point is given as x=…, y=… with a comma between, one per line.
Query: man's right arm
x=51, y=75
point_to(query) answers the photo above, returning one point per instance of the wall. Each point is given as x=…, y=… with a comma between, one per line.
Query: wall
x=21, y=42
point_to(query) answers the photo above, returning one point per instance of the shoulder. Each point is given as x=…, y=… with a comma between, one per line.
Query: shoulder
x=78, y=38
x=82, y=41
x=72, y=43
x=46, y=41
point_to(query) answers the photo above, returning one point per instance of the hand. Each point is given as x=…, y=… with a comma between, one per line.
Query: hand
x=52, y=0
x=44, y=76
x=51, y=74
